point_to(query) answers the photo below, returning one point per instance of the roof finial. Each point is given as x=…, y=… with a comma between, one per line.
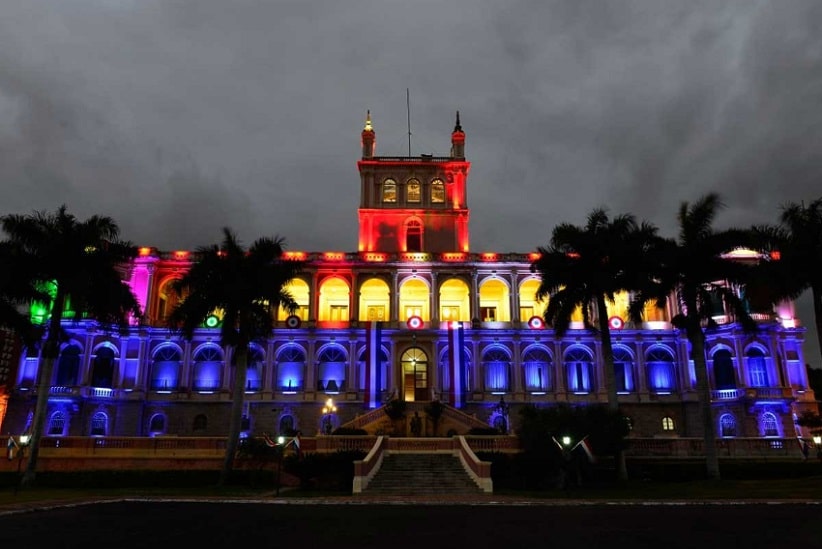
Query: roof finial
x=368, y=126
x=458, y=127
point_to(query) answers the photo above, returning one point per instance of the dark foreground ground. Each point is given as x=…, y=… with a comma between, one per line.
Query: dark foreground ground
x=398, y=525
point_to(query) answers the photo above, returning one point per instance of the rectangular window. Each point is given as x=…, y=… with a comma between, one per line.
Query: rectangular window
x=413, y=310
x=437, y=192
x=389, y=192
x=413, y=191
x=339, y=313
x=525, y=313
x=376, y=312
x=488, y=314
x=450, y=312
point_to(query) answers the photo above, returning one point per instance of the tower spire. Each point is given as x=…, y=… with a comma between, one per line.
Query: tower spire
x=368, y=137
x=458, y=140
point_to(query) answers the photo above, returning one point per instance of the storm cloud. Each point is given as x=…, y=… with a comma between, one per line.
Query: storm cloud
x=179, y=117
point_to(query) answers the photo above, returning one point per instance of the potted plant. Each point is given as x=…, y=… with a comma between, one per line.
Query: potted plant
x=395, y=409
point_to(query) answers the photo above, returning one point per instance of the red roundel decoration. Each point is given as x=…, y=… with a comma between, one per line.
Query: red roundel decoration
x=536, y=323
x=292, y=321
x=616, y=323
x=414, y=323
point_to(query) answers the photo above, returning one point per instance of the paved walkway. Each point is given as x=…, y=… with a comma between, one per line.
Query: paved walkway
x=479, y=499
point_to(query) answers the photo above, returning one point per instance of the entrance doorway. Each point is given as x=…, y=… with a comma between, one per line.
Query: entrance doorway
x=415, y=374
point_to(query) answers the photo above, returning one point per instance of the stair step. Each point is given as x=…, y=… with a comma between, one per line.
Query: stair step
x=422, y=474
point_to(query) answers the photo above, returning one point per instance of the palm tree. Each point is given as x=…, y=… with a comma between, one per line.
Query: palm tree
x=693, y=269
x=247, y=287
x=585, y=267
x=17, y=290
x=81, y=262
x=798, y=241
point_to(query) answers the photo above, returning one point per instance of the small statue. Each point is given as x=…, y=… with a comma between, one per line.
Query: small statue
x=416, y=424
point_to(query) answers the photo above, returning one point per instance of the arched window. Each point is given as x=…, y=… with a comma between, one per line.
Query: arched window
x=157, y=425
x=102, y=369
x=757, y=367
x=412, y=191
x=208, y=368
x=415, y=296
x=727, y=425
x=537, y=370
x=659, y=363
x=579, y=369
x=290, y=368
x=389, y=191
x=413, y=236
x=496, y=364
x=455, y=300
x=57, y=424
x=334, y=300
x=768, y=425
x=331, y=374
x=287, y=425
x=724, y=375
x=495, y=301
x=445, y=369
x=167, y=299
x=200, y=423
x=298, y=289
x=437, y=192
x=99, y=424
x=382, y=359
x=68, y=367
x=667, y=423
x=375, y=300
x=165, y=371
x=623, y=370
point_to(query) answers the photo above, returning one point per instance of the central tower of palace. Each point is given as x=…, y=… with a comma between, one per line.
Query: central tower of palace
x=413, y=203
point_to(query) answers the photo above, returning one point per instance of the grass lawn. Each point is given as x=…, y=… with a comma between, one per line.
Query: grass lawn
x=798, y=481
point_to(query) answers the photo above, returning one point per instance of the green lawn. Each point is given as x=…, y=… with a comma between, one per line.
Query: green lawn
x=800, y=481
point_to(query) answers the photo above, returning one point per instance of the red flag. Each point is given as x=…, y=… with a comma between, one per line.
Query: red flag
x=586, y=447
x=268, y=442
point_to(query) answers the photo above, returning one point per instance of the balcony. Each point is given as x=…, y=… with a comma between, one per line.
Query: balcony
x=727, y=394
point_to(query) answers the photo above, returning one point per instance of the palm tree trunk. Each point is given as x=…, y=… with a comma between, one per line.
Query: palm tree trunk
x=51, y=348
x=236, y=417
x=610, y=378
x=816, y=295
x=697, y=339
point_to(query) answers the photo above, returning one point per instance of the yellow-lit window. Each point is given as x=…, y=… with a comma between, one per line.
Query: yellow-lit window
x=667, y=423
x=412, y=191
x=389, y=191
x=339, y=313
x=412, y=310
x=437, y=192
x=376, y=312
x=450, y=313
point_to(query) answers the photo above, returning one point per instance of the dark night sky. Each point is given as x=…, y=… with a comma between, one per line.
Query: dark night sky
x=180, y=117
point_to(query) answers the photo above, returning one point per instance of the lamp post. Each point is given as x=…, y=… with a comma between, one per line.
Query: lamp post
x=328, y=410
x=22, y=444
x=817, y=441
x=503, y=409
x=279, y=449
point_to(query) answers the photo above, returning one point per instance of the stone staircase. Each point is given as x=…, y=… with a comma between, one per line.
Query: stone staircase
x=421, y=474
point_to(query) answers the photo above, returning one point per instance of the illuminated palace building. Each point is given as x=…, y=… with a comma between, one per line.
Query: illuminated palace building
x=412, y=314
